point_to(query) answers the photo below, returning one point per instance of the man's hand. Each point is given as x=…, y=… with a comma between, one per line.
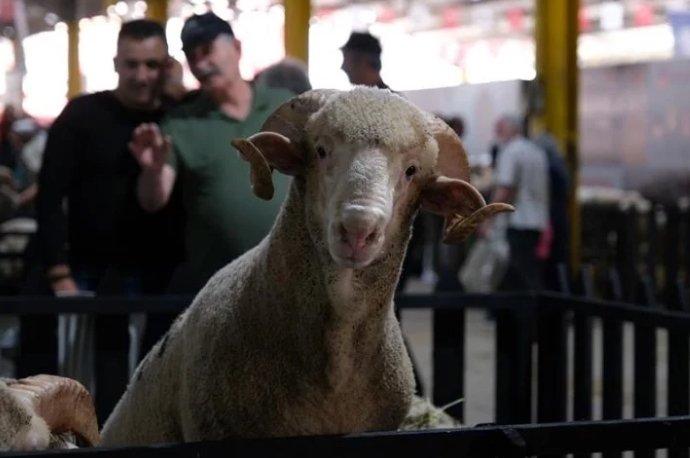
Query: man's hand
x=149, y=147
x=65, y=287
x=61, y=281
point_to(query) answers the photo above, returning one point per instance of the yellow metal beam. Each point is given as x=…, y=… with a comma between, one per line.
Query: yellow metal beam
x=556, y=33
x=74, y=69
x=297, y=15
x=157, y=10
x=107, y=3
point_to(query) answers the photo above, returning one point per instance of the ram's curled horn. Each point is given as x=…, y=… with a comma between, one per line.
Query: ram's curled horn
x=285, y=125
x=452, y=158
x=459, y=228
x=452, y=162
x=289, y=119
x=259, y=170
x=64, y=404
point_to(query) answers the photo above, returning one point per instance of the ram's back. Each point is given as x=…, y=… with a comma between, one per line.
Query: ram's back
x=182, y=367
x=147, y=413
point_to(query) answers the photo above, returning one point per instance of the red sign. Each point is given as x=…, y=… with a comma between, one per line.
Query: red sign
x=515, y=18
x=386, y=14
x=7, y=10
x=644, y=15
x=323, y=12
x=450, y=17
x=584, y=23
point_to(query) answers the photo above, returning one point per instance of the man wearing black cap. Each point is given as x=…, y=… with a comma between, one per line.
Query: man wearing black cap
x=362, y=60
x=193, y=153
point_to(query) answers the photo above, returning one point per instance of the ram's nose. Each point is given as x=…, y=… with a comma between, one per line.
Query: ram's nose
x=358, y=234
x=360, y=228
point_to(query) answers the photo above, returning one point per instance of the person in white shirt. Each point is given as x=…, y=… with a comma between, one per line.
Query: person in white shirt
x=521, y=179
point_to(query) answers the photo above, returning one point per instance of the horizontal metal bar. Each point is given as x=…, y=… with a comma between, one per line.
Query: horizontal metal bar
x=660, y=318
x=486, y=441
x=109, y=305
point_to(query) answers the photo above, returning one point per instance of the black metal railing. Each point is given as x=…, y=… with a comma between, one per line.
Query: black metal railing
x=522, y=321
x=510, y=441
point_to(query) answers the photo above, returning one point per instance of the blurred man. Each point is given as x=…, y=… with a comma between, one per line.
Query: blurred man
x=225, y=219
x=86, y=161
x=291, y=74
x=362, y=60
x=559, y=189
x=30, y=140
x=449, y=257
x=521, y=180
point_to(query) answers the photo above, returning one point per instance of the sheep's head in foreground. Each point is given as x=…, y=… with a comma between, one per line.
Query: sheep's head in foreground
x=36, y=413
x=367, y=159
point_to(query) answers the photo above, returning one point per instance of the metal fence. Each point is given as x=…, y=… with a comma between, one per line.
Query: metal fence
x=533, y=348
x=558, y=439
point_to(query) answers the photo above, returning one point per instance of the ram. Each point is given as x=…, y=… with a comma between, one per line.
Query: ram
x=46, y=412
x=298, y=336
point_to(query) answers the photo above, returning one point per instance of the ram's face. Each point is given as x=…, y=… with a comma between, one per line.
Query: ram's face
x=363, y=195
x=365, y=160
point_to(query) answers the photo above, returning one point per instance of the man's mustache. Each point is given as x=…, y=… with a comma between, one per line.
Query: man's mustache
x=207, y=72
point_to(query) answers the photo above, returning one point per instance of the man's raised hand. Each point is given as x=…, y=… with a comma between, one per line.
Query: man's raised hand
x=149, y=147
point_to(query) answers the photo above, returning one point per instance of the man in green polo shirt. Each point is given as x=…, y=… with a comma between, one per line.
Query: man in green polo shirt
x=193, y=153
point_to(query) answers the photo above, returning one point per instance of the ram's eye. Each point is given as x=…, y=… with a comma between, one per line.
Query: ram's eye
x=411, y=170
x=321, y=152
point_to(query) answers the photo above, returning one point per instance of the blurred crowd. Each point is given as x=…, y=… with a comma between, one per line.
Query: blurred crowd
x=138, y=184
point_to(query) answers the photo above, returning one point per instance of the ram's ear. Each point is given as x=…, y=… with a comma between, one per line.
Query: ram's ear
x=461, y=204
x=266, y=151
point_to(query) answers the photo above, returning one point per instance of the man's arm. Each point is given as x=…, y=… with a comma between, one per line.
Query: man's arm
x=503, y=193
x=504, y=185
x=27, y=196
x=158, y=161
x=506, y=178
x=54, y=179
x=154, y=187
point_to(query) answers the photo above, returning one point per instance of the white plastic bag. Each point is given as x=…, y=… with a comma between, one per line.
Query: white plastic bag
x=487, y=260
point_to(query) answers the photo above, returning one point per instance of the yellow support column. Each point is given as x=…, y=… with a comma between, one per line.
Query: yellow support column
x=107, y=4
x=74, y=69
x=556, y=33
x=297, y=15
x=157, y=10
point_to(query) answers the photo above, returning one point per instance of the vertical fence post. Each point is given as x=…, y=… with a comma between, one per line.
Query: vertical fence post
x=678, y=359
x=671, y=255
x=652, y=257
x=38, y=345
x=449, y=360
x=514, y=336
x=583, y=354
x=552, y=365
x=112, y=343
x=612, y=404
x=627, y=251
x=645, y=361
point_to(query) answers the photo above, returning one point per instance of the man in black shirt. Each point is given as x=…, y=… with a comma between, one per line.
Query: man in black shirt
x=87, y=161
